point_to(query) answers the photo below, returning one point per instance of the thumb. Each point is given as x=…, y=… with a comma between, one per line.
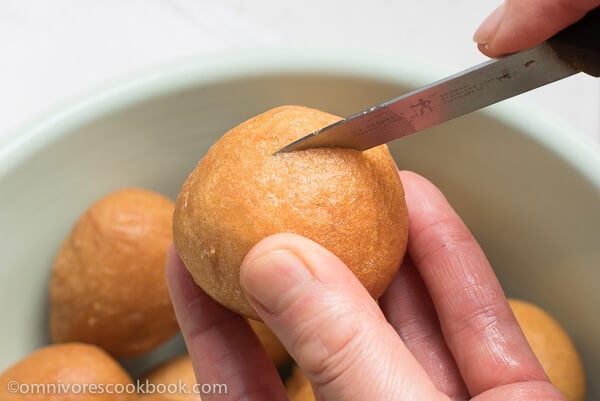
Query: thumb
x=329, y=323
x=517, y=25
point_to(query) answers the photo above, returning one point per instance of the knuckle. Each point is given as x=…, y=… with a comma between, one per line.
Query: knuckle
x=486, y=318
x=480, y=318
x=443, y=237
x=329, y=345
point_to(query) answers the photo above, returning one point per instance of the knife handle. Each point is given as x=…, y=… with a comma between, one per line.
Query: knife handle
x=579, y=44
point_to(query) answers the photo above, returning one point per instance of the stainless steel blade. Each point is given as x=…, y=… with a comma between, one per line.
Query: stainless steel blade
x=457, y=95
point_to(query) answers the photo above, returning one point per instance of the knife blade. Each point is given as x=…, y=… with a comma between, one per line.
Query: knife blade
x=575, y=49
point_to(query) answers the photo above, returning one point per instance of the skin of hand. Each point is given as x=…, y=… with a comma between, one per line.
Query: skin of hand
x=521, y=24
x=442, y=331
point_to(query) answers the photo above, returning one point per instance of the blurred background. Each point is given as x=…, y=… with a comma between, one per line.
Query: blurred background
x=55, y=52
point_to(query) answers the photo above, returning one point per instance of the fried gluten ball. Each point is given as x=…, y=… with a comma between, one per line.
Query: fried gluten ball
x=67, y=372
x=108, y=284
x=553, y=347
x=172, y=380
x=350, y=202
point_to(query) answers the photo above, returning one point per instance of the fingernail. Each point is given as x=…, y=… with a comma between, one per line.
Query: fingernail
x=274, y=280
x=488, y=28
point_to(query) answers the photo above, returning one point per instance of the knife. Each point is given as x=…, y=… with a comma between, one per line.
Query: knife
x=575, y=49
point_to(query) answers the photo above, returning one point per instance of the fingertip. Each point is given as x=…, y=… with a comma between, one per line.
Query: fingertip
x=411, y=176
x=420, y=192
x=515, y=25
x=485, y=49
x=272, y=243
x=310, y=253
x=273, y=278
x=489, y=27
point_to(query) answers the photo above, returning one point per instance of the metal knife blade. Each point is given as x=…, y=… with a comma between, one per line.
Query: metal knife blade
x=569, y=52
x=457, y=95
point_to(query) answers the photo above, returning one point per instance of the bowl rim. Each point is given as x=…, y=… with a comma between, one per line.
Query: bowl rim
x=541, y=126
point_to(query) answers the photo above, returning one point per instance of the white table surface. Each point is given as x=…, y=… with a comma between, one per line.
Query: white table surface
x=56, y=51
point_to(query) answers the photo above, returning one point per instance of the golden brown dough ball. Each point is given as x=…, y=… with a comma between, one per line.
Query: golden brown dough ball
x=270, y=343
x=168, y=377
x=553, y=348
x=350, y=202
x=71, y=371
x=108, y=284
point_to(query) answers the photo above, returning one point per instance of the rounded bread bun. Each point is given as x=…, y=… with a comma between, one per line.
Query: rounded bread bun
x=65, y=372
x=553, y=347
x=350, y=202
x=108, y=284
x=174, y=374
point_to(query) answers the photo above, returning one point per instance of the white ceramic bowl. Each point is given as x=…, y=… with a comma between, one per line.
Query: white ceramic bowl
x=527, y=189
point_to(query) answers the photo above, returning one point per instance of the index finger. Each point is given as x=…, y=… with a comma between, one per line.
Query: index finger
x=479, y=327
x=518, y=25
